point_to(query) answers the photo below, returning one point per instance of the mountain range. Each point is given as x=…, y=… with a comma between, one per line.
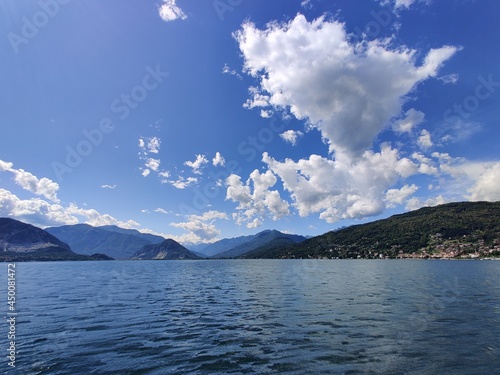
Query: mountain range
x=120, y=243
x=266, y=238
x=24, y=242
x=111, y=240
x=453, y=230
x=21, y=241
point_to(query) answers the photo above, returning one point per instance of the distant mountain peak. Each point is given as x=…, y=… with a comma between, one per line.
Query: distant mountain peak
x=113, y=241
x=166, y=250
x=268, y=237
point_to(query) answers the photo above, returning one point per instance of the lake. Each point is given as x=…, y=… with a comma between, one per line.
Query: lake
x=256, y=317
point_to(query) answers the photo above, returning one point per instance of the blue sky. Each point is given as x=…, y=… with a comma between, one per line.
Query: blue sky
x=212, y=119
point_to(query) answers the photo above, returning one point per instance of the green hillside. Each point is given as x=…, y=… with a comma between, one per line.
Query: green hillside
x=454, y=230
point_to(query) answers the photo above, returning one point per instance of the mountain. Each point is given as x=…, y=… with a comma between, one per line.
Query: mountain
x=86, y=239
x=24, y=242
x=454, y=230
x=167, y=250
x=261, y=240
x=151, y=238
x=225, y=244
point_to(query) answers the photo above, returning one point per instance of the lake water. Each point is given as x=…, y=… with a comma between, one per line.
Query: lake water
x=256, y=317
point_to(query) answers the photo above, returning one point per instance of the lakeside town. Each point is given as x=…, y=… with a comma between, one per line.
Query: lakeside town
x=440, y=248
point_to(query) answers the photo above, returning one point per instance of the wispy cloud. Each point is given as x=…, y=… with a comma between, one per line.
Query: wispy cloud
x=147, y=147
x=181, y=182
x=291, y=136
x=218, y=160
x=169, y=11
x=412, y=118
x=198, y=164
x=201, y=228
x=425, y=141
x=227, y=70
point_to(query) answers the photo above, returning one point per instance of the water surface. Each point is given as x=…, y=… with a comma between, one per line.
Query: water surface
x=257, y=317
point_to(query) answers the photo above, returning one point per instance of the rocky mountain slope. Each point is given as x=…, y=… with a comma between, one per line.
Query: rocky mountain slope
x=24, y=242
x=167, y=250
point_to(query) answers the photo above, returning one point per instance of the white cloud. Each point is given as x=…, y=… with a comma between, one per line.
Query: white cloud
x=255, y=223
x=487, y=185
x=342, y=189
x=425, y=141
x=108, y=186
x=291, y=136
x=227, y=70
x=153, y=164
x=218, y=160
x=201, y=228
x=449, y=78
x=142, y=144
x=425, y=164
x=44, y=186
x=5, y=166
x=416, y=203
x=403, y=3
x=95, y=218
x=161, y=210
x=349, y=92
x=196, y=165
x=260, y=203
x=169, y=11
x=164, y=176
x=42, y=213
x=154, y=145
x=35, y=210
x=266, y=113
x=412, y=119
x=181, y=182
x=149, y=145
x=306, y=4
x=395, y=197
